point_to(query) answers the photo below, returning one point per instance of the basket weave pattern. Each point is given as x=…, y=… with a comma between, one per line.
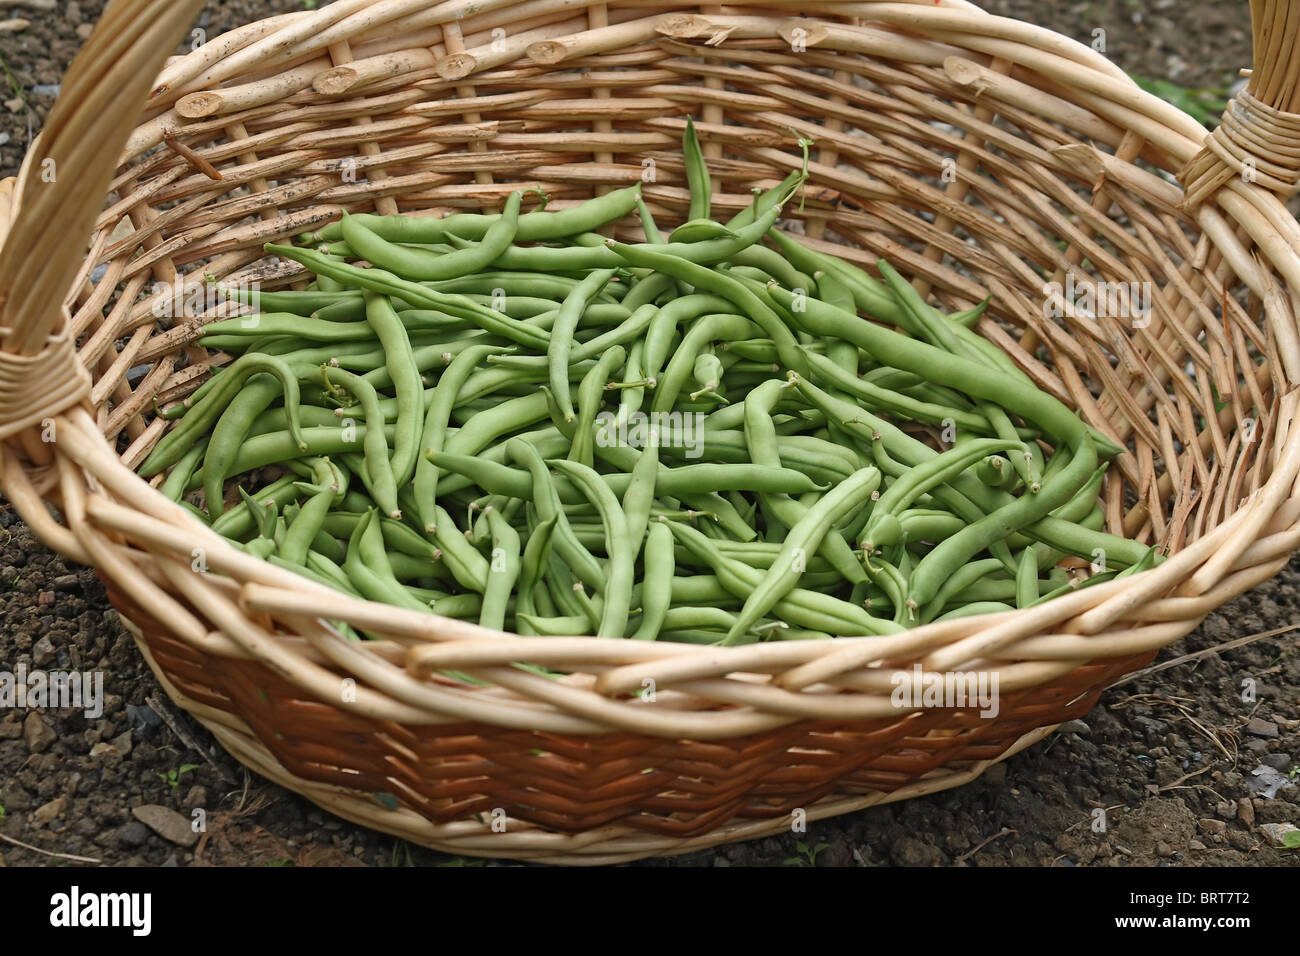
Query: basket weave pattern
x=975, y=153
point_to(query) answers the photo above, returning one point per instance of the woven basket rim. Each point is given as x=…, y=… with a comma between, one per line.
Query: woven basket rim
x=946, y=645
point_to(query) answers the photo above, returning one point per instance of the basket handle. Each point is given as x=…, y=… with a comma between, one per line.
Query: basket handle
x=1259, y=139
x=66, y=174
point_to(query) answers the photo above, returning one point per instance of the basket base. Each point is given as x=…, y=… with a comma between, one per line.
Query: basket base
x=521, y=840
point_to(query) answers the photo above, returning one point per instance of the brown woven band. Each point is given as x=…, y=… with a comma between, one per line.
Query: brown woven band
x=1252, y=135
x=36, y=387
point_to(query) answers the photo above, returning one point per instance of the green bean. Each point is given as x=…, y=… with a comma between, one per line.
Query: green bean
x=1026, y=591
x=174, y=485
x=590, y=394
x=240, y=522
x=664, y=324
x=385, y=283
x=400, y=361
x=234, y=332
x=379, y=474
x=304, y=528
x=971, y=610
x=201, y=416
x=774, y=266
x=561, y=340
x=657, y=591
x=435, y=425
x=547, y=502
x=776, y=196
x=617, y=589
x=627, y=331
x=642, y=488
x=397, y=536
x=487, y=426
x=532, y=227
x=496, y=478
x=418, y=264
x=886, y=400
x=765, y=450
x=961, y=579
x=801, y=607
x=368, y=567
x=940, y=334
x=296, y=303
x=924, y=525
x=268, y=449
x=707, y=328
x=652, y=233
x=804, y=537
x=729, y=288
x=467, y=566
x=536, y=555
x=884, y=528
x=553, y=625
x=697, y=173
x=503, y=571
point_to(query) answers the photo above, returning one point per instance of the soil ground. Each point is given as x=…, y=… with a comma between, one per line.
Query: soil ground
x=1187, y=764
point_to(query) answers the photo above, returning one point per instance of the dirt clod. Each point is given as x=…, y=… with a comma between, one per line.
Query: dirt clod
x=1260, y=728
x=1276, y=833
x=37, y=733
x=167, y=823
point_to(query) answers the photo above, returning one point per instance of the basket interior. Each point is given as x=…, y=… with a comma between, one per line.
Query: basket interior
x=966, y=190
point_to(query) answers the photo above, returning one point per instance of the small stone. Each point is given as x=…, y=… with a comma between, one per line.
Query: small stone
x=11, y=731
x=1164, y=850
x=1260, y=728
x=132, y=835
x=38, y=734
x=1211, y=826
x=45, y=598
x=168, y=824
x=1195, y=845
x=122, y=743
x=102, y=749
x=1075, y=727
x=1246, y=812
x=142, y=718
x=16, y=25
x=196, y=798
x=15, y=105
x=84, y=30
x=43, y=651
x=49, y=811
x=1275, y=833
x=67, y=582
x=14, y=797
x=1276, y=761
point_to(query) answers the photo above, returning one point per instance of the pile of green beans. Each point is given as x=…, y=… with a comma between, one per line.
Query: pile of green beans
x=717, y=436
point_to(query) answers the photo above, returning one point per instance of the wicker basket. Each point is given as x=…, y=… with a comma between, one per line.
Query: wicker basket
x=972, y=151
